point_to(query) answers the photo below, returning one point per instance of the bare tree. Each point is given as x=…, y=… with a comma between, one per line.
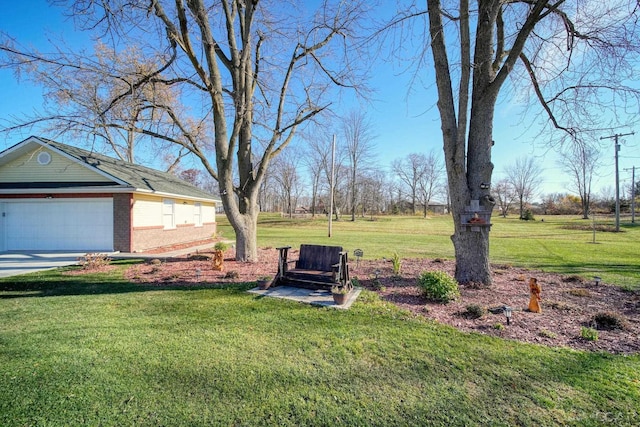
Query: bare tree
x=317, y=158
x=410, y=171
x=254, y=73
x=581, y=160
x=285, y=174
x=504, y=195
x=373, y=192
x=571, y=53
x=524, y=176
x=359, y=148
x=430, y=181
x=78, y=95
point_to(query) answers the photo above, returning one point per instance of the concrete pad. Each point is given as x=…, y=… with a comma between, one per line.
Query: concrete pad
x=307, y=296
x=19, y=262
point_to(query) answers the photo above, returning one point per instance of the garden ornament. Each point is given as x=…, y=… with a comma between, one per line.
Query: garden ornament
x=534, y=301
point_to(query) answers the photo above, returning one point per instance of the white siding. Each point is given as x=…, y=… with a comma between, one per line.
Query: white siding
x=147, y=211
x=208, y=213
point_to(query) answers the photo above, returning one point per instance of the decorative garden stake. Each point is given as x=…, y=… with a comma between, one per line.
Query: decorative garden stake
x=358, y=253
x=534, y=301
x=507, y=313
x=597, y=279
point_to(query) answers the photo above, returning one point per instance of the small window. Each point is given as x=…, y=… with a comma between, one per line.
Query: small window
x=44, y=158
x=197, y=214
x=168, y=214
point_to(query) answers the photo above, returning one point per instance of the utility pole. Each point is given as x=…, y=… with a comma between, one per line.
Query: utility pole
x=633, y=194
x=332, y=185
x=617, y=148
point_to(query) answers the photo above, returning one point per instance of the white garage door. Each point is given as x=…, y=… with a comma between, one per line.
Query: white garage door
x=58, y=224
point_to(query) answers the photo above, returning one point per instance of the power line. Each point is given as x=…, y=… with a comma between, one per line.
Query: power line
x=617, y=148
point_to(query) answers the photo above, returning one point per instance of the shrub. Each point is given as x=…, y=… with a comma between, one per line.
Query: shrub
x=589, y=334
x=474, y=311
x=397, y=263
x=94, y=261
x=548, y=334
x=527, y=215
x=221, y=246
x=579, y=292
x=232, y=275
x=438, y=286
x=607, y=321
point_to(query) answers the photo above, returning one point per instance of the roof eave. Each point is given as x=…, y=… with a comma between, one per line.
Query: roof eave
x=176, y=196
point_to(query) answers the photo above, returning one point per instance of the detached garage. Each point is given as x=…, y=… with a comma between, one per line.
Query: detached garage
x=58, y=197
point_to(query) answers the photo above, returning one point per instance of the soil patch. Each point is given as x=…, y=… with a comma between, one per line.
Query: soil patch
x=569, y=303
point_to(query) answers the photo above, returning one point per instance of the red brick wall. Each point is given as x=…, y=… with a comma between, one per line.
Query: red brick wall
x=122, y=205
x=145, y=238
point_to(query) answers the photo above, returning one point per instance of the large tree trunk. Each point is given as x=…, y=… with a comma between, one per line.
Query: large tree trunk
x=246, y=238
x=472, y=256
x=243, y=217
x=472, y=247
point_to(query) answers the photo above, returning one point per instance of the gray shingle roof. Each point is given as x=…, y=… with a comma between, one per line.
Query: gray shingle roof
x=139, y=177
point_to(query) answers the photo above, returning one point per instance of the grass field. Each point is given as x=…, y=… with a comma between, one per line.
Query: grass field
x=551, y=245
x=97, y=350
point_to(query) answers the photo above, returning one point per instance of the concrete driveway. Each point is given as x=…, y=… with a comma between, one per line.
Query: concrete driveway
x=14, y=263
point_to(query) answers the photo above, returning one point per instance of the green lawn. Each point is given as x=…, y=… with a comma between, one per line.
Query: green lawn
x=546, y=245
x=97, y=350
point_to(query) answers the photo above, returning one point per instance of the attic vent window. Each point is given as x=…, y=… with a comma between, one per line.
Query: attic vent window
x=44, y=158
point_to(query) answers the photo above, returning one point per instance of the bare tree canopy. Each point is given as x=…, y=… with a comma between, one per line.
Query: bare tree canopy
x=410, y=170
x=580, y=161
x=246, y=76
x=578, y=59
x=524, y=177
x=359, y=146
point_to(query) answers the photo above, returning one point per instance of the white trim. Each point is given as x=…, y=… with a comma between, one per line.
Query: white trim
x=176, y=196
x=105, y=189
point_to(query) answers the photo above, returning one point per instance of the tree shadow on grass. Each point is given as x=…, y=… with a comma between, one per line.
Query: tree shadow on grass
x=53, y=283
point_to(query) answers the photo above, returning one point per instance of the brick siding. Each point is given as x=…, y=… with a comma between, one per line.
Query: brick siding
x=146, y=238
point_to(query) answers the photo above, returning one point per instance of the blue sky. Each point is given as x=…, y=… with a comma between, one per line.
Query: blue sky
x=405, y=121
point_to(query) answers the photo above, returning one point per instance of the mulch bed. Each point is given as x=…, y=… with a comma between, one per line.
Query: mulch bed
x=569, y=303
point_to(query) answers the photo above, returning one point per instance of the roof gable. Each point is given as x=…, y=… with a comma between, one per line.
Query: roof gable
x=39, y=164
x=105, y=169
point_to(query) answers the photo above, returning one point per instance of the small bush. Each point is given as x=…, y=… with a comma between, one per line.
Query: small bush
x=397, y=263
x=474, y=311
x=232, y=275
x=548, y=334
x=498, y=326
x=438, y=286
x=579, y=292
x=589, y=334
x=94, y=261
x=607, y=321
x=527, y=215
x=221, y=246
